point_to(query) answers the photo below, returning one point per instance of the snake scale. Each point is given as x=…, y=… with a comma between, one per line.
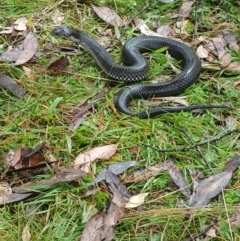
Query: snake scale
x=136, y=68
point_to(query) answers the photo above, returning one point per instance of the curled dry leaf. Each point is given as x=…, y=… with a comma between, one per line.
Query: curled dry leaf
x=30, y=45
x=202, y=52
x=136, y=201
x=5, y=188
x=185, y=9
x=108, y=15
x=145, y=29
x=20, y=24
x=102, y=153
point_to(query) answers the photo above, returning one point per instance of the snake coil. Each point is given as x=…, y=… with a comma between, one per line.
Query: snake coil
x=136, y=68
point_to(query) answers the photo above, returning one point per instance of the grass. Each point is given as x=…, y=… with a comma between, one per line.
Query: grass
x=60, y=212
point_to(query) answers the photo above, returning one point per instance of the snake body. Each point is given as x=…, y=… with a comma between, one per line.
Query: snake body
x=136, y=68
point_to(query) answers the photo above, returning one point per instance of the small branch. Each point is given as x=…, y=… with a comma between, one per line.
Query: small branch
x=198, y=150
x=203, y=232
x=216, y=138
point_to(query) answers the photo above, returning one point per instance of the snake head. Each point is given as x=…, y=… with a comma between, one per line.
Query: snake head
x=62, y=31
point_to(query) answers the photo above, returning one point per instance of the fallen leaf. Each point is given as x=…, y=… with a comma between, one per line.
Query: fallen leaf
x=210, y=188
x=16, y=156
x=147, y=172
x=234, y=66
x=59, y=64
x=5, y=188
x=211, y=232
x=114, y=214
x=86, y=158
x=185, y=9
x=26, y=235
x=145, y=29
x=116, y=168
x=7, y=30
x=57, y=17
x=165, y=31
x=136, y=201
x=11, y=55
x=20, y=24
x=30, y=45
x=14, y=197
x=202, y=52
x=179, y=180
x=134, y=150
x=108, y=15
x=235, y=217
x=81, y=111
x=115, y=184
x=64, y=175
x=232, y=164
x=94, y=228
x=27, y=71
x=231, y=40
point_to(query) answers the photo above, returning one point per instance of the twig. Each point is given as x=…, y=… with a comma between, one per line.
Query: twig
x=199, y=150
x=216, y=138
x=200, y=233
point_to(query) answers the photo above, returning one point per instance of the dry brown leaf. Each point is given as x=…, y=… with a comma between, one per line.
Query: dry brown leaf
x=146, y=173
x=136, y=201
x=231, y=40
x=14, y=197
x=210, y=188
x=185, y=9
x=232, y=164
x=20, y=24
x=94, y=228
x=108, y=15
x=179, y=180
x=59, y=64
x=86, y=158
x=116, y=168
x=202, y=52
x=65, y=175
x=234, y=66
x=26, y=235
x=30, y=45
x=235, y=217
x=165, y=31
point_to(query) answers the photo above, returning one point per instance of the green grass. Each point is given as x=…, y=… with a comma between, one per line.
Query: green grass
x=60, y=212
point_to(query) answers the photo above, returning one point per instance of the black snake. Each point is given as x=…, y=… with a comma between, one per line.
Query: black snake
x=137, y=68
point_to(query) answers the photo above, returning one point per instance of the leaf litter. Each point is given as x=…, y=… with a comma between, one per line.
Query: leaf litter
x=100, y=226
